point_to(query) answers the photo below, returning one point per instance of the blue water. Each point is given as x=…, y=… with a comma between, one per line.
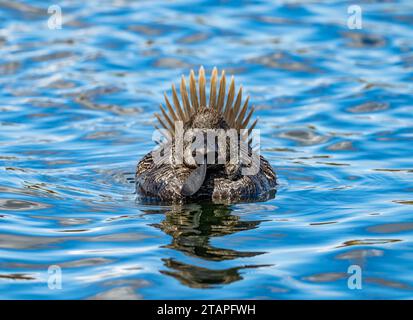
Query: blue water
x=336, y=118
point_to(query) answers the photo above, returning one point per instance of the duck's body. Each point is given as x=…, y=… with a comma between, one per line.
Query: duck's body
x=224, y=181
x=165, y=183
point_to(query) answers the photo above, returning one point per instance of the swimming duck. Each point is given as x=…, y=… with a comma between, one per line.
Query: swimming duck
x=188, y=165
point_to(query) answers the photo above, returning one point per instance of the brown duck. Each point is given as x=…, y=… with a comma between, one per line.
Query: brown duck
x=217, y=177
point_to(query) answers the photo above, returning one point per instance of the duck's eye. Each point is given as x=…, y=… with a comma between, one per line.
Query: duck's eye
x=193, y=139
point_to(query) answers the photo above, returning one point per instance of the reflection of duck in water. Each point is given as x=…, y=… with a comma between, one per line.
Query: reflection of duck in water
x=210, y=171
x=199, y=277
x=191, y=228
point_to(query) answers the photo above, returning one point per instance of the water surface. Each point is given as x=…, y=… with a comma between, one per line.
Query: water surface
x=336, y=120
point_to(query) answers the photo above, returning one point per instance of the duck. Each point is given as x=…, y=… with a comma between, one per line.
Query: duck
x=205, y=150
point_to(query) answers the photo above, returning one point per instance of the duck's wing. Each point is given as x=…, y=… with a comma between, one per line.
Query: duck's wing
x=167, y=182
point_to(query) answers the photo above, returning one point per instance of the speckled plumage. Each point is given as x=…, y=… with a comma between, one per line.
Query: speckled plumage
x=167, y=182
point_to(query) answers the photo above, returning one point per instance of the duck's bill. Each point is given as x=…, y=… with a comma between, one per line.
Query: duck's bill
x=194, y=181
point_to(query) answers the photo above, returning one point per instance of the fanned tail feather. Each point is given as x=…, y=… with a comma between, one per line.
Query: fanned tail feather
x=236, y=116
